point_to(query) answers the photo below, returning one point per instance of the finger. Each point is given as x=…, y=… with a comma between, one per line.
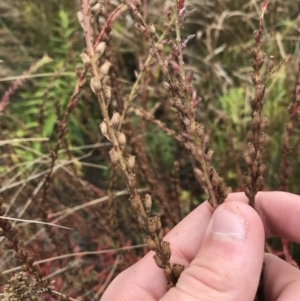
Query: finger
x=281, y=280
x=144, y=280
x=279, y=212
x=228, y=264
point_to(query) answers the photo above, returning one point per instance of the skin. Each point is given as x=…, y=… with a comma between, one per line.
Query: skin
x=217, y=266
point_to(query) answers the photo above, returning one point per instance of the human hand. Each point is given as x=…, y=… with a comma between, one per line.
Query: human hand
x=223, y=253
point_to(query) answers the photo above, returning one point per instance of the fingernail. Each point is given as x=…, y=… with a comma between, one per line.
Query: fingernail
x=228, y=224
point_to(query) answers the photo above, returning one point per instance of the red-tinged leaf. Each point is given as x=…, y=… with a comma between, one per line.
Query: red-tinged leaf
x=265, y=5
x=180, y=4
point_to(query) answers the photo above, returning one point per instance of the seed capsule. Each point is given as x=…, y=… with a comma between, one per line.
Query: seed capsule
x=115, y=120
x=166, y=249
x=85, y=59
x=152, y=30
x=130, y=162
x=158, y=261
x=150, y=243
x=114, y=156
x=100, y=48
x=148, y=203
x=122, y=140
x=96, y=84
x=96, y=9
x=167, y=270
x=177, y=269
x=105, y=67
x=103, y=128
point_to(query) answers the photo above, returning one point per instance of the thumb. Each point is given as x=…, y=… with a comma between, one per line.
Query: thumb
x=228, y=264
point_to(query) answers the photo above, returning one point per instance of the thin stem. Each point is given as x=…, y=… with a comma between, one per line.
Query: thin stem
x=178, y=39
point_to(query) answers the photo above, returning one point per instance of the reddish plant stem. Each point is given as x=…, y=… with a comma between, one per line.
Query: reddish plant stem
x=107, y=24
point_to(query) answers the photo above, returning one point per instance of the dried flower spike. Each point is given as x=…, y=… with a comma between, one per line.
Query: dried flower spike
x=96, y=9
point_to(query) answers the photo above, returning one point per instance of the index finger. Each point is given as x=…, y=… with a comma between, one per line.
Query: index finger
x=279, y=211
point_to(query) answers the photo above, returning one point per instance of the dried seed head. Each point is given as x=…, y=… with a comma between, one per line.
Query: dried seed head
x=130, y=162
x=161, y=234
x=150, y=243
x=131, y=180
x=205, y=141
x=262, y=138
x=114, y=156
x=255, y=119
x=177, y=269
x=185, y=136
x=8, y=245
x=247, y=179
x=167, y=270
x=141, y=221
x=271, y=63
x=253, y=53
x=105, y=67
x=166, y=86
x=223, y=192
x=189, y=76
x=259, y=183
x=152, y=224
x=103, y=128
x=209, y=155
x=100, y=49
x=251, y=149
x=158, y=261
x=263, y=123
x=259, y=92
x=115, y=120
x=164, y=68
x=199, y=175
x=166, y=249
x=138, y=16
x=216, y=180
x=107, y=94
x=142, y=29
x=96, y=84
x=122, y=140
x=85, y=59
x=138, y=4
x=258, y=155
x=200, y=130
x=170, y=284
x=174, y=66
x=151, y=52
x=158, y=223
x=160, y=47
x=135, y=203
x=174, y=48
x=80, y=19
x=248, y=159
x=186, y=122
x=199, y=153
x=96, y=9
x=261, y=169
x=148, y=203
x=254, y=168
x=247, y=191
x=152, y=30
x=92, y=2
